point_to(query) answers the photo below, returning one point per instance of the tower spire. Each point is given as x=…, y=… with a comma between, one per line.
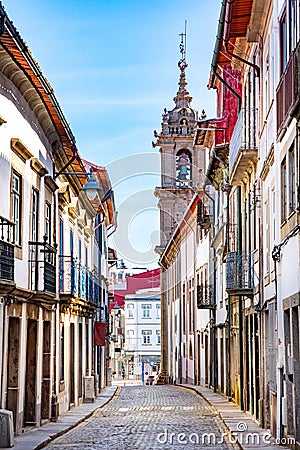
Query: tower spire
x=183, y=97
x=182, y=64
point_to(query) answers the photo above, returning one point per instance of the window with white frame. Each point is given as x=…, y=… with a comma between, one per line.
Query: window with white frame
x=283, y=190
x=158, y=310
x=130, y=308
x=146, y=336
x=158, y=336
x=146, y=310
x=17, y=205
x=129, y=337
x=48, y=221
x=34, y=215
x=267, y=233
x=292, y=180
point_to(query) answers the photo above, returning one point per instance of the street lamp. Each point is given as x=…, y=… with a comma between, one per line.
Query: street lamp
x=91, y=187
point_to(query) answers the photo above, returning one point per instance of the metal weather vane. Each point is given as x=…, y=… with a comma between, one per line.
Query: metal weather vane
x=182, y=64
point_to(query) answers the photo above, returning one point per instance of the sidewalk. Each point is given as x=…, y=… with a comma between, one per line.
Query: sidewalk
x=39, y=437
x=242, y=429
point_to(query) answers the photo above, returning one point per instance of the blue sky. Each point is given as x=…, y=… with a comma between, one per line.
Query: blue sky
x=113, y=67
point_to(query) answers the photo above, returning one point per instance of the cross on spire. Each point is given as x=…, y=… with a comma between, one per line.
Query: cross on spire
x=182, y=48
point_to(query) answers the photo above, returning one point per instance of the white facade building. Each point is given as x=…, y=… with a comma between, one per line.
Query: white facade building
x=142, y=331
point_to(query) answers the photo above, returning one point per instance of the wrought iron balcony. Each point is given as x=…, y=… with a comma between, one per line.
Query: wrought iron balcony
x=203, y=217
x=205, y=296
x=7, y=259
x=239, y=273
x=42, y=266
x=76, y=280
x=243, y=145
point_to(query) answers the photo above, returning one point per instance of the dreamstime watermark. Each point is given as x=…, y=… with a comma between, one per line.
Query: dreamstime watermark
x=241, y=435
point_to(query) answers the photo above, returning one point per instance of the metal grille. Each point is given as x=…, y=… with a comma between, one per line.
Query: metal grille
x=75, y=279
x=204, y=296
x=239, y=272
x=42, y=266
x=7, y=259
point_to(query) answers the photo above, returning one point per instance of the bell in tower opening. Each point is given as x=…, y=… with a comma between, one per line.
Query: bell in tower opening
x=183, y=167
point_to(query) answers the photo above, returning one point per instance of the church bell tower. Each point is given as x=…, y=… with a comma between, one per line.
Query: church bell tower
x=181, y=159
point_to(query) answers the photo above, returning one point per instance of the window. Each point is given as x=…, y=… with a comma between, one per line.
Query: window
x=79, y=250
x=267, y=233
x=130, y=309
x=293, y=24
x=62, y=351
x=48, y=222
x=34, y=215
x=61, y=255
x=86, y=257
x=158, y=336
x=158, y=311
x=267, y=85
x=283, y=190
x=292, y=178
x=87, y=347
x=146, y=311
x=283, y=42
x=146, y=336
x=288, y=184
x=129, y=337
x=17, y=205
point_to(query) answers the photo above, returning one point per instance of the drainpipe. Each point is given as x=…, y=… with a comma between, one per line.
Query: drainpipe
x=228, y=314
x=214, y=62
x=276, y=255
x=240, y=297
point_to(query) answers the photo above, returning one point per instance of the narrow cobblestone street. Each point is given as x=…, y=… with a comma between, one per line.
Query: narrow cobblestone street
x=148, y=418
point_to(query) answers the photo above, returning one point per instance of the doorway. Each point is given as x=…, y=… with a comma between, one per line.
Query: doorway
x=46, y=380
x=72, y=366
x=30, y=377
x=12, y=399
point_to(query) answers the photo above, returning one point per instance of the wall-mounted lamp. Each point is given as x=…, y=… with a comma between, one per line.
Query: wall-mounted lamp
x=90, y=188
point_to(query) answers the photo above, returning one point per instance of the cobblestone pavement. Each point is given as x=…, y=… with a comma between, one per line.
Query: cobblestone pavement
x=148, y=418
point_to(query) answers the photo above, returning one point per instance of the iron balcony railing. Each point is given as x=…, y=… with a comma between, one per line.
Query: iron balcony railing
x=244, y=136
x=77, y=281
x=239, y=273
x=42, y=266
x=7, y=258
x=205, y=296
x=203, y=217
